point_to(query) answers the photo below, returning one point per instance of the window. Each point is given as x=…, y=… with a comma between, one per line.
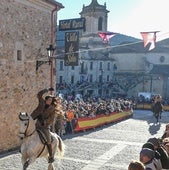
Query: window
x=100, y=78
x=61, y=65
x=60, y=79
x=72, y=79
x=90, y=78
x=82, y=78
x=101, y=66
x=19, y=55
x=19, y=52
x=100, y=22
x=82, y=67
x=108, y=66
x=91, y=65
x=108, y=78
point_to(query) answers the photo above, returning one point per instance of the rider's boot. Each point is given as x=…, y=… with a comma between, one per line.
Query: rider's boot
x=51, y=158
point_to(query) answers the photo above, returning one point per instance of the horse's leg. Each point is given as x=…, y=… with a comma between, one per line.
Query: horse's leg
x=156, y=117
x=24, y=161
x=51, y=167
x=60, y=147
x=160, y=114
x=27, y=161
x=25, y=165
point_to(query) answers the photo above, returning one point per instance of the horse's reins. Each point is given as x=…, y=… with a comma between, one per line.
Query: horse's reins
x=25, y=133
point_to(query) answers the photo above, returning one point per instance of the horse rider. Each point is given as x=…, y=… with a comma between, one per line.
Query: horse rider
x=157, y=107
x=45, y=115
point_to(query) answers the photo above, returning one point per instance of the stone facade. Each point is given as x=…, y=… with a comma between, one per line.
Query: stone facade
x=25, y=33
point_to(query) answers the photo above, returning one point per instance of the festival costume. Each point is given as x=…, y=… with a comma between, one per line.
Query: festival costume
x=45, y=115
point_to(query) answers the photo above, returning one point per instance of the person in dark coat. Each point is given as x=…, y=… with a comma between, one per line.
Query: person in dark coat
x=45, y=115
x=157, y=107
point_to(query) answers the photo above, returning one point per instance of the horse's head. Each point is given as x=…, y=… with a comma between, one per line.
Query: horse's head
x=25, y=126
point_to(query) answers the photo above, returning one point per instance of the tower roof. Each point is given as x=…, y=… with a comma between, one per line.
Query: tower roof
x=94, y=5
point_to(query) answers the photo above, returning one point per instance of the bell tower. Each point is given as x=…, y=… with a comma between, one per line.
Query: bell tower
x=96, y=17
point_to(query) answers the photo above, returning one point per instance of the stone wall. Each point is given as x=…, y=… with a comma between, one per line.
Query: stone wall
x=25, y=29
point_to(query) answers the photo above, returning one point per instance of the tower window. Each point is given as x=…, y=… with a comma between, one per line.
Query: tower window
x=100, y=23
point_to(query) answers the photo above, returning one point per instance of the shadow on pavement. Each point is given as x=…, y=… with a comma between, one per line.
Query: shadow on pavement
x=154, y=128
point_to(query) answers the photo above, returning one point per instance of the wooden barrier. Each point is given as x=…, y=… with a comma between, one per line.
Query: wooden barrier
x=148, y=106
x=89, y=123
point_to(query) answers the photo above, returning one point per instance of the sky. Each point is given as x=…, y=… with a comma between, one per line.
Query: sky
x=128, y=17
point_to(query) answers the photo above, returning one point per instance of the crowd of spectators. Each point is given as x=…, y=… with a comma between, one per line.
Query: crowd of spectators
x=74, y=109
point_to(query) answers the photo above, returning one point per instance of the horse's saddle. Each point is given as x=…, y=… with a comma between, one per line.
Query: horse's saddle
x=43, y=137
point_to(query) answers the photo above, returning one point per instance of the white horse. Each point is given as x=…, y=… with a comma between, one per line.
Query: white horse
x=32, y=146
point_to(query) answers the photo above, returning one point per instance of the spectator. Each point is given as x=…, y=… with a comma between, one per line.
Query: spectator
x=147, y=157
x=166, y=132
x=157, y=155
x=162, y=151
x=166, y=144
x=136, y=165
x=70, y=117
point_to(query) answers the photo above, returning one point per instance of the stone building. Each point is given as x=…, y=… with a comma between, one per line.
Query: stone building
x=123, y=67
x=26, y=31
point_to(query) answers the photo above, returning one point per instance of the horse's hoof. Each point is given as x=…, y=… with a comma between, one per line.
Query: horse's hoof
x=51, y=160
x=25, y=165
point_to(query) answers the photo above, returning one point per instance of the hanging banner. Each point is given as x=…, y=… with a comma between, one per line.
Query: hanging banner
x=71, y=48
x=72, y=24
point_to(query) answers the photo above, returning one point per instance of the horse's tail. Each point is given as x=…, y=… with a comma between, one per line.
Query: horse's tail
x=61, y=147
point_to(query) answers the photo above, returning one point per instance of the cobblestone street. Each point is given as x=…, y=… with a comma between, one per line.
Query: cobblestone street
x=110, y=147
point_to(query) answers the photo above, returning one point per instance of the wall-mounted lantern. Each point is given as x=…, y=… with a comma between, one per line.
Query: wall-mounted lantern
x=50, y=51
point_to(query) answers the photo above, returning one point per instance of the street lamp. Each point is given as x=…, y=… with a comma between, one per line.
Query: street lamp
x=50, y=51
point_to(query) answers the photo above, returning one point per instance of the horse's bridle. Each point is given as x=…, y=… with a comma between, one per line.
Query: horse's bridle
x=27, y=126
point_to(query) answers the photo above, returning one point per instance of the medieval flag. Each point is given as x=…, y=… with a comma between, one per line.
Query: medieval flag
x=149, y=38
x=105, y=36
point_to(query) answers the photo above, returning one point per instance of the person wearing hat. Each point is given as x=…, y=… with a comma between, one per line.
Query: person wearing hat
x=147, y=157
x=161, y=149
x=45, y=115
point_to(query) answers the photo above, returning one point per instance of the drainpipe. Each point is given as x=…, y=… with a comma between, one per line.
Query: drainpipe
x=56, y=9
